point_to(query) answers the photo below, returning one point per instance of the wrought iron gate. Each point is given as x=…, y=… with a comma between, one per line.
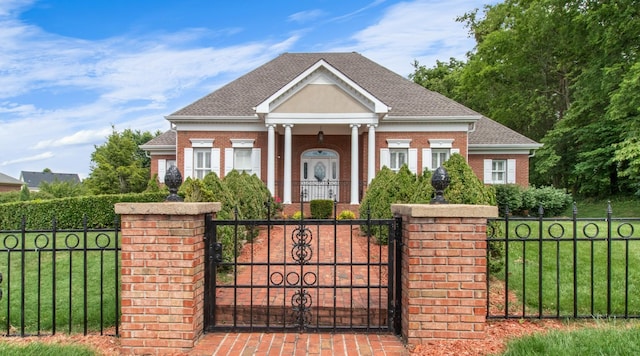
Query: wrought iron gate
x=302, y=275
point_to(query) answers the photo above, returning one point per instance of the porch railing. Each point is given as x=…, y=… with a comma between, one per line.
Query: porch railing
x=338, y=190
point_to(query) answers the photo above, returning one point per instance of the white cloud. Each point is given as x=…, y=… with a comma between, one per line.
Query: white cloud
x=423, y=30
x=38, y=157
x=80, y=137
x=306, y=16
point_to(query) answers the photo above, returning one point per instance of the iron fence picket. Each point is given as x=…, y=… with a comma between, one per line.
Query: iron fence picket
x=33, y=248
x=306, y=270
x=563, y=248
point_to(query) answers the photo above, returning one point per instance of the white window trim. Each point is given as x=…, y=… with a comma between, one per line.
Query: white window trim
x=242, y=143
x=201, y=142
x=441, y=143
x=399, y=143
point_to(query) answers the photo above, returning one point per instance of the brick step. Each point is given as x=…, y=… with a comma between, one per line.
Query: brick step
x=281, y=316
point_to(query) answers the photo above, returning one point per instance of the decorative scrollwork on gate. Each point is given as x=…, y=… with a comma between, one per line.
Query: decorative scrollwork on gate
x=301, y=253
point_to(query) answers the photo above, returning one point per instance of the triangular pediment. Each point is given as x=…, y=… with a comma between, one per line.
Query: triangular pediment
x=322, y=89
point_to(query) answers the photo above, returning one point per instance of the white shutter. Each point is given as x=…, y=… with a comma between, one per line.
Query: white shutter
x=255, y=161
x=487, y=172
x=385, y=158
x=426, y=159
x=215, y=161
x=413, y=160
x=162, y=169
x=511, y=171
x=188, y=162
x=228, y=160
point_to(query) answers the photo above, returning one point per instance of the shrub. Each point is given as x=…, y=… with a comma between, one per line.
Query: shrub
x=321, y=208
x=554, y=201
x=376, y=204
x=297, y=215
x=465, y=187
x=251, y=194
x=346, y=215
x=424, y=191
x=509, y=195
x=69, y=212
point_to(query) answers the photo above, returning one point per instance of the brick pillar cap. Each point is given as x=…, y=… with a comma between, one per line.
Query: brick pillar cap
x=445, y=210
x=167, y=208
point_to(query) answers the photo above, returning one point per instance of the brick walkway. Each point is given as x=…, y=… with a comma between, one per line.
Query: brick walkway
x=346, y=280
x=350, y=247
x=290, y=344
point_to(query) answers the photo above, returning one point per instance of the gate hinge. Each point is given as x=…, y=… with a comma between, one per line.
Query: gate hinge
x=216, y=252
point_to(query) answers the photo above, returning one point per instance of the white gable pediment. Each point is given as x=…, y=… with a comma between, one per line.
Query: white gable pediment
x=322, y=89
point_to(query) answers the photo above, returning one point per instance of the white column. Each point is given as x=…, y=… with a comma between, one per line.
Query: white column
x=371, y=153
x=355, y=199
x=271, y=158
x=286, y=199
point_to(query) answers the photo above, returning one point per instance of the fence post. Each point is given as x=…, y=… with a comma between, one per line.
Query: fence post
x=162, y=269
x=444, y=271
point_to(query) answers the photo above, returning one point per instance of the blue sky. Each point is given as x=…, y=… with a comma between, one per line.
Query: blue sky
x=72, y=69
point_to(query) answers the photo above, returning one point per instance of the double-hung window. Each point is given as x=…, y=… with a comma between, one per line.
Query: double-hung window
x=202, y=162
x=242, y=160
x=398, y=157
x=439, y=156
x=499, y=171
x=399, y=153
x=242, y=157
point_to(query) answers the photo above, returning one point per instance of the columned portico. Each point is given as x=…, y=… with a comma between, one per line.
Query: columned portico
x=286, y=199
x=355, y=199
x=371, y=153
x=271, y=159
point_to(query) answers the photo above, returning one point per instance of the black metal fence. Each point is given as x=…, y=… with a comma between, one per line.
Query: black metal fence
x=564, y=267
x=59, y=279
x=302, y=275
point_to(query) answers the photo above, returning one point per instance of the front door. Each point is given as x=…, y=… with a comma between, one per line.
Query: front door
x=319, y=172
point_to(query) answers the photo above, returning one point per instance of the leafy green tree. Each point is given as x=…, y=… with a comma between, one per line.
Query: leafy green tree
x=444, y=78
x=551, y=70
x=63, y=189
x=119, y=165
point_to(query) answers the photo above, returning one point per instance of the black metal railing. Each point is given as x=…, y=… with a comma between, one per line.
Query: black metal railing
x=338, y=190
x=563, y=267
x=56, y=279
x=302, y=275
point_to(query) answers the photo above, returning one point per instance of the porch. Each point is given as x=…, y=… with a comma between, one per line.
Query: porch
x=305, y=191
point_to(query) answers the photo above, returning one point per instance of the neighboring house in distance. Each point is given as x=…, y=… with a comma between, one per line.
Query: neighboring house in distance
x=320, y=125
x=9, y=184
x=33, y=179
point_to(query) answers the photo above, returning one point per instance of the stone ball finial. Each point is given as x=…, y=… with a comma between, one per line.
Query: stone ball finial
x=440, y=181
x=173, y=180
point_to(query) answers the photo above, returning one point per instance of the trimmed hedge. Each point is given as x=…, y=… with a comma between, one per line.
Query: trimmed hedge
x=69, y=212
x=321, y=208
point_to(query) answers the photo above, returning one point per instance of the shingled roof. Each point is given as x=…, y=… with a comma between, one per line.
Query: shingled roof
x=405, y=98
x=489, y=132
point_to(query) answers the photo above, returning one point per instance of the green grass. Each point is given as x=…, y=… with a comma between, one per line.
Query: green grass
x=553, y=259
x=39, y=287
x=622, y=207
x=600, y=340
x=42, y=349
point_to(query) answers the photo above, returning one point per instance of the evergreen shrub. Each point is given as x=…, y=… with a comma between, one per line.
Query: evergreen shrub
x=69, y=212
x=321, y=208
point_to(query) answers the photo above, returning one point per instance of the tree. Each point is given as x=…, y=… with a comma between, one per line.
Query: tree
x=63, y=189
x=551, y=69
x=119, y=165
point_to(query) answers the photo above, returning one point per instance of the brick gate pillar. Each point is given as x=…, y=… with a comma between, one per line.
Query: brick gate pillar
x=162, y=269
x=444, y=270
